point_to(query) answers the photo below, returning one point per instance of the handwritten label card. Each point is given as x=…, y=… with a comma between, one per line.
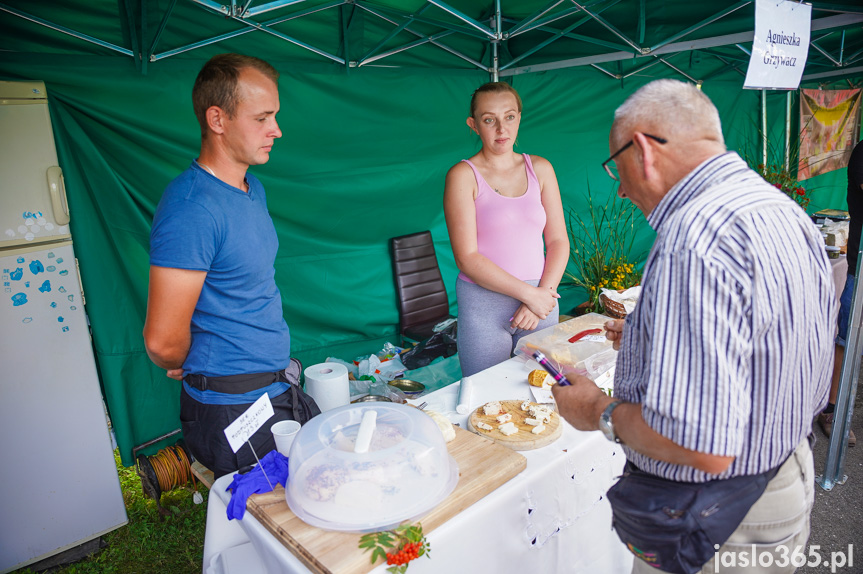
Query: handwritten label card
x=780, y=46
x=242, y=429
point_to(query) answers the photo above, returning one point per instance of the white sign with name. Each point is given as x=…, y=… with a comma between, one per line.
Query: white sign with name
x=242, y=429
x=780, y=46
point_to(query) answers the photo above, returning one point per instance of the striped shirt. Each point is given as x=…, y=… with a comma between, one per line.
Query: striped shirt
x=730, y=348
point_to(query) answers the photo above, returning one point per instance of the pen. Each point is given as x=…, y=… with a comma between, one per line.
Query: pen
x=546, y=364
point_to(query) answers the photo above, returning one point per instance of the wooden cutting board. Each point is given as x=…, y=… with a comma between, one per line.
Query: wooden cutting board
x=524, y=439
x=483, y=466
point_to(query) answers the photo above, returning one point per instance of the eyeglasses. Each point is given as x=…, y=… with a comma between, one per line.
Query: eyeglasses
x=611, y=170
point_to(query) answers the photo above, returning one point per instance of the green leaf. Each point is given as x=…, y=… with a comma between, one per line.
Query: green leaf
x=386, y=539
x=379, y=553
x=368, y=542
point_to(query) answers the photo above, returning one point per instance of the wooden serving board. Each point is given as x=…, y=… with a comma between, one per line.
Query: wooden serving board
x=524, y=439
x=483, y=466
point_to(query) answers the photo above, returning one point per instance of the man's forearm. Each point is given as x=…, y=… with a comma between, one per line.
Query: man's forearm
x=634, y=431
x=582, y=403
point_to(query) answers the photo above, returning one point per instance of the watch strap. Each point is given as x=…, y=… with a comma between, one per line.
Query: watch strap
x=605, y=423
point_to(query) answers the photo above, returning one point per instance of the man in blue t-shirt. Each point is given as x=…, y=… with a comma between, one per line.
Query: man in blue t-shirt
x=214, y=312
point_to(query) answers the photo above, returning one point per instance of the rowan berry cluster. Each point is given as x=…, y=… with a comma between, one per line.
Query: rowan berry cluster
x=407, y=553
x=406, y=543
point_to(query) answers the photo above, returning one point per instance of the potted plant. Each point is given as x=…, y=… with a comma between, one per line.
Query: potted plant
x=601, y=241
x=783, y=180
x=775, y=170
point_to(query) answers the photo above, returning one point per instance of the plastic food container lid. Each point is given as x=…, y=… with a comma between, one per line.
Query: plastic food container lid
x=367, y=467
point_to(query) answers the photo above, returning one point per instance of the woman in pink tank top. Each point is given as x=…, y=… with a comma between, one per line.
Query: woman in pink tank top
x=505, y=221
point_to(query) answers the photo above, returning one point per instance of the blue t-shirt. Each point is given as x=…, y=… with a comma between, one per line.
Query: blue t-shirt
x=204, y=224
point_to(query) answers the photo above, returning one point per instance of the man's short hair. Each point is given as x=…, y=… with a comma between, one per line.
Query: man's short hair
x=674, y=110
x=217, y=84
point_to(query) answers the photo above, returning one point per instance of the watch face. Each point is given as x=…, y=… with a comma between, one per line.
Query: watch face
x=609, y=434
x=605, y=424
x=606, y=429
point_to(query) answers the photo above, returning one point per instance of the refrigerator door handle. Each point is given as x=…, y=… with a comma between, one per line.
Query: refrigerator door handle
x=57, y=189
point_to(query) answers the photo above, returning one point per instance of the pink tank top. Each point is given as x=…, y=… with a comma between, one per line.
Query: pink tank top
x=509, y=229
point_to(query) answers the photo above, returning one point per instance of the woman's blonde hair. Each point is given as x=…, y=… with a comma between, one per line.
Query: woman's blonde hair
x=493, y=88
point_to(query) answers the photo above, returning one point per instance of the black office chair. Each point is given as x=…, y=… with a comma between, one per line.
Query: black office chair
x=420, y=290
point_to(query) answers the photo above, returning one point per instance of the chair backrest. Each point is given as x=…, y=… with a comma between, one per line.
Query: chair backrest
x=419, y=286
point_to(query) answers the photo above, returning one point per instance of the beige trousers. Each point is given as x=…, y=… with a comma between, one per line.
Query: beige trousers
x=774, y=533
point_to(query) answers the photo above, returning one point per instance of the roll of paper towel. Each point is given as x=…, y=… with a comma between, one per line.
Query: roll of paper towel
x=465, y=389
x=327, y=383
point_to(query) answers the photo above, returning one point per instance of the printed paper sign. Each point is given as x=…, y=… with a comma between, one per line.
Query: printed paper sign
x=242, y=429
x=541, y=395
x=780, y=46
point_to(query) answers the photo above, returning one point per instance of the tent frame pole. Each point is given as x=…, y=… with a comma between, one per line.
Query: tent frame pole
x=463, y=17
x=517, y=29
x=638, y=49
x=391, y=35
x=48, y=24
x=580, y=37
x=702, y=24
x=787, y=131
x=838, y=444
x=712, y=42
x=763, y=127
x=495, y=43
x=431, y=40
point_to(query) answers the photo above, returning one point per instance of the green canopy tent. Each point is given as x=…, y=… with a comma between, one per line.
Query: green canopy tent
x=374, y=95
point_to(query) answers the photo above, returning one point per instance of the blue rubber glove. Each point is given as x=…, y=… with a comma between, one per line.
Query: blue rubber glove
x=244, y=485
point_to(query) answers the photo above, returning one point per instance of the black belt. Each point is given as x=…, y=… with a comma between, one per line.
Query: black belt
x=235, y=384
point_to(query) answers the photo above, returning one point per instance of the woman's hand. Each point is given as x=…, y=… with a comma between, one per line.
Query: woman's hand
x=524, y=318
x=541, y=301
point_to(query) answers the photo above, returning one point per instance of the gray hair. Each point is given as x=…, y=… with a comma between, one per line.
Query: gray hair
x=674, y=110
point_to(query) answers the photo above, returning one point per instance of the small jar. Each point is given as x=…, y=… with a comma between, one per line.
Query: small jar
x=833, y=252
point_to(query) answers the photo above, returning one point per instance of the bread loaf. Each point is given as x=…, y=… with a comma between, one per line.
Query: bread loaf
x=540, y=378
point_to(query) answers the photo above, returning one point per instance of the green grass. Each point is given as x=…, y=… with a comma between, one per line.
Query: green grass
x=150, y=542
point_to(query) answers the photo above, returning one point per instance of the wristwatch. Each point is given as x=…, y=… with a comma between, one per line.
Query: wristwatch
x=605, y=424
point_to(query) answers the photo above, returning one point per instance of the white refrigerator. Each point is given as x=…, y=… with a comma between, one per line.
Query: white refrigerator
x=57, y=472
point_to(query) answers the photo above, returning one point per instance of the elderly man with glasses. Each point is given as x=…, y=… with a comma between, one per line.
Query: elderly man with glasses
x=725, y=360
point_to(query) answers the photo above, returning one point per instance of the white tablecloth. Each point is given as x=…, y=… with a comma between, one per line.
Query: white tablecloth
x=552, y=517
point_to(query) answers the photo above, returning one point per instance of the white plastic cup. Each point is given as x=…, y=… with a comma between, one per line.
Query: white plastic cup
x=284, y=432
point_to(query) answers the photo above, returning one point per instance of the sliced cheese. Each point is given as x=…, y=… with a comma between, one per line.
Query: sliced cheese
x=537, y=429
x=492, y=409
x=483, y=426
x=508, y=429
x=540, y=412
x=532, y=422
x=443, y=424
x=504, y=418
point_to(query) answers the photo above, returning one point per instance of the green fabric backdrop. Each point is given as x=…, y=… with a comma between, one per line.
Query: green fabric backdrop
x=362, y=159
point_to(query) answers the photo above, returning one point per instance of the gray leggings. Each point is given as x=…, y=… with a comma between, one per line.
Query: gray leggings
x=485, y=337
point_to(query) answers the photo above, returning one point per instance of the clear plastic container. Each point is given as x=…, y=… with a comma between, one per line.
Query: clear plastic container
x=367, y=467
x=554, y=343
